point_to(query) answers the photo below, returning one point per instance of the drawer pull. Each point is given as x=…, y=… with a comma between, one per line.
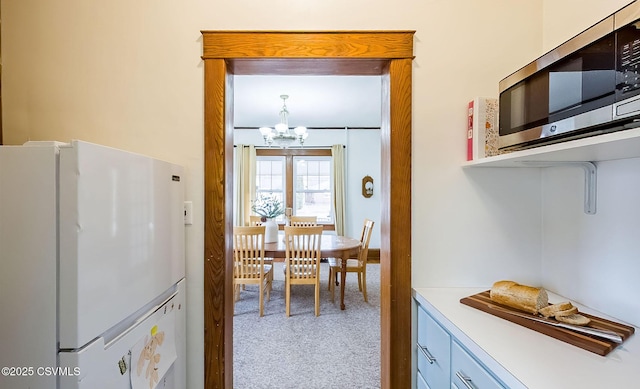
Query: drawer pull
x=465, y=380
x=427, y=354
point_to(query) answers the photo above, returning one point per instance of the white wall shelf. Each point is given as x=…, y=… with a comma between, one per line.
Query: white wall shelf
x=616, y=145
x=579, y=152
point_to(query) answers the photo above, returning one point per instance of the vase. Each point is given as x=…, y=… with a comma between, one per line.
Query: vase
x=271, y=231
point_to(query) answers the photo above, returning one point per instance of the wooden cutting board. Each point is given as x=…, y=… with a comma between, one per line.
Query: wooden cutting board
x=600, y=346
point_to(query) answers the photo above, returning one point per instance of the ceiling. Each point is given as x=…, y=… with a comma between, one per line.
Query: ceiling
x=314, y=101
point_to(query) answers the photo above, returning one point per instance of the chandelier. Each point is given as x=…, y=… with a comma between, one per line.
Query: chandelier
x=282, y=135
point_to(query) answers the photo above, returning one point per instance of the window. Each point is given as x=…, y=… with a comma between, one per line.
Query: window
x=312, y=187
x=302, y=177
x=270, y=177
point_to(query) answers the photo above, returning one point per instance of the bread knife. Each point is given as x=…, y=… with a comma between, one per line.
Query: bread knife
x=606, y=334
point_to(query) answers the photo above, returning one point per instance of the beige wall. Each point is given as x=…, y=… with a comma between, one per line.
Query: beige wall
x=565, y=19
x=129, y=75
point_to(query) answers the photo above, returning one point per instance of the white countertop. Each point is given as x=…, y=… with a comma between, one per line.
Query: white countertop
x=536, y=360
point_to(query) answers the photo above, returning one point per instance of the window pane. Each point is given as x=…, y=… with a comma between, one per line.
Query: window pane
x=312, y=180
x=314, y=204
x=277, y=182
x=325, y=183
x=312, y=183
x=270, y=178
x=312, y=167
x=269, y=174
x=325, y=169
x=264, y=167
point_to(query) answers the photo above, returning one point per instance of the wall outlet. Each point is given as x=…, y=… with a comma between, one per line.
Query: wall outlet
x=188, y=212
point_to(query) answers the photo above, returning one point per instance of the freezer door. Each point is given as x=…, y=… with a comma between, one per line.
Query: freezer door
x=121, y=237
x=148, y=353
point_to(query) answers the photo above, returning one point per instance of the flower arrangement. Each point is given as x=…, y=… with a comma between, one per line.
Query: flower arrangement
x=267, y=206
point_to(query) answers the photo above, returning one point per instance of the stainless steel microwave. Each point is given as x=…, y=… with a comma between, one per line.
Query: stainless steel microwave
x=587, y=86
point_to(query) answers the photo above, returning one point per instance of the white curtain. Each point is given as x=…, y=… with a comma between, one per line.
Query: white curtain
x=339, y=196
x=244, y=183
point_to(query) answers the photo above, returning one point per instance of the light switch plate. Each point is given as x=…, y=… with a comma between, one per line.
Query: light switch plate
x=188, y=212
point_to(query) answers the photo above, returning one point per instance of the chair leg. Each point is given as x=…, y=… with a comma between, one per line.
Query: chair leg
x=287, y=297
x=329, y=281
x=261, y=299
x=359, y=281
x=317, y=287
x=364, y=285
x=234, y=299
x=269, y=284
x=332, y=288
x=236, y=292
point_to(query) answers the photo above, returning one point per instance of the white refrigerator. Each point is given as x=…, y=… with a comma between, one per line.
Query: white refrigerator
x=92, y=271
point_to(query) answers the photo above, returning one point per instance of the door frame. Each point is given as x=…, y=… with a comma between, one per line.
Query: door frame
x=385, y=53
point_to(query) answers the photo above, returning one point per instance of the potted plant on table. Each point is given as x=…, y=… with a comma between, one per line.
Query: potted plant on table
x=268, y=207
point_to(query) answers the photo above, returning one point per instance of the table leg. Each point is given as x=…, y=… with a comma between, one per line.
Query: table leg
x=343, y=277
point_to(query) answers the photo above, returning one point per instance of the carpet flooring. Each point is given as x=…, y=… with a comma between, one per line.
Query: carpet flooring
x=338, y=349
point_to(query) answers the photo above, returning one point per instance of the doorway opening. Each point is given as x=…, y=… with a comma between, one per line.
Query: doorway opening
x=385, y=53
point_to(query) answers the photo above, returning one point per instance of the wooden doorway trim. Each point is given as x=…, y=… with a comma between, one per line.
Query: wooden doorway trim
x=385, y=53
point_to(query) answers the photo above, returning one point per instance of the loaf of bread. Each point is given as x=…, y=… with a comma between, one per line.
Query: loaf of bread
x=522, y=297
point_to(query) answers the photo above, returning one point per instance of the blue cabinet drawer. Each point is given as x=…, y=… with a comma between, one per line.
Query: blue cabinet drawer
x=466, y=372
x=433, y=350
x=421, y=383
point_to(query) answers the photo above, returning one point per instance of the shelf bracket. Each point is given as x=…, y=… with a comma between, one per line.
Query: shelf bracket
x=590, y=179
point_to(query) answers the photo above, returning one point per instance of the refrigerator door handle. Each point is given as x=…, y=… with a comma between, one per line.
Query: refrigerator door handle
x=117, y=332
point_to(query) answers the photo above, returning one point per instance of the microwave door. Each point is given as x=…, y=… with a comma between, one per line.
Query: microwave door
x=628, y=72
x=575, y=93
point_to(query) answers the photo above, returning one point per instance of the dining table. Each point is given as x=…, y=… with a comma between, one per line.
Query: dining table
x=331, y=246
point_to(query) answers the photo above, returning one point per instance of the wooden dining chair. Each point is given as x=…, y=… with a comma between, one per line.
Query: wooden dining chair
x=249, y=265
x=354, y=265
x=302, y=261
x=304, y=221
